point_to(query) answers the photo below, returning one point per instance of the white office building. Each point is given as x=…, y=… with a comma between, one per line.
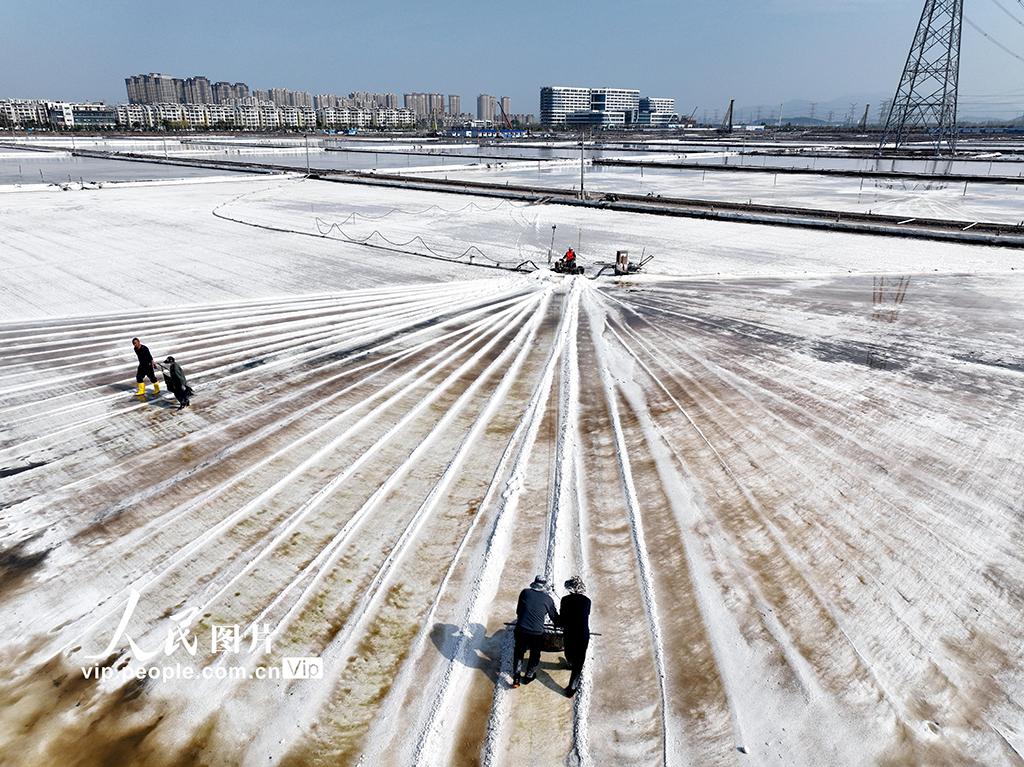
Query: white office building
x=601, y=107
x=62, y=114
x=614, y=100
x=556, y=102
x=657, y=112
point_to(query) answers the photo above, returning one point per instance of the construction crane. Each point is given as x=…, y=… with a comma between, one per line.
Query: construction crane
x=507, y=121
x=727, y=123
x=864, y=120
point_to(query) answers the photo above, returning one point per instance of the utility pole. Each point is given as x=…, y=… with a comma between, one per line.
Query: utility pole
x=864, y=119
x=583, y=195
x=927, y=94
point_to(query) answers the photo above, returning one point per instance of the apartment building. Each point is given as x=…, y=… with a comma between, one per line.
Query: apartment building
x=225, y=93
x=390, y=117
x=346, y=117
x=194, y=115
x=164, y=89
x=24, y=112
x=298, y=117
x=486, y=107
x=197, y=90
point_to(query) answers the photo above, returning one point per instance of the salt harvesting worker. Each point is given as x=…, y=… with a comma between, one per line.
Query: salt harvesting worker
x=147, y=369
x=575, y=629
x=570, y=257
x=535, y=604
x=176, y=382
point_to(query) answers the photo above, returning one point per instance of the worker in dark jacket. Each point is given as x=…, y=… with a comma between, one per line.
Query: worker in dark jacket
x=535, y=604
x=576, y=629
x=176, y=382
x=147, y=369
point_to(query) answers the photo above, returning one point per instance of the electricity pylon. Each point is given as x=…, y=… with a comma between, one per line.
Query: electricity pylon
x=926, y=97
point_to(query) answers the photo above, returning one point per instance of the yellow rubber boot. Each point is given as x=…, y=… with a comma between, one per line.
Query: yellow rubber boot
x=142, y=390
x=156, y=388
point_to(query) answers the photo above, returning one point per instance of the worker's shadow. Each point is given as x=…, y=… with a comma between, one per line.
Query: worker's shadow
x=165, y=399
x=473, y=648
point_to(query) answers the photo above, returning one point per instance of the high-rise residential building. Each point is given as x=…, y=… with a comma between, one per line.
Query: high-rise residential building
x=417, y=102
x=136, y=90
x=154, y=89
x=486, y=107
x=423, y=104
x=198, y=91
x=223, y=93
x=435, y=104
x=454, y=105
x=364, y=100
x=506, y=105
x=326, y=101
x=164, y=89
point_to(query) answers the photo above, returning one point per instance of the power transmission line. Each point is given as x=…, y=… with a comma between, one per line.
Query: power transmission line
x=1000, y=6
x=991, y=39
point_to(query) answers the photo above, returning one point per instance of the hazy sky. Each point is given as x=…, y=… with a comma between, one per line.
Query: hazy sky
x=701, y=53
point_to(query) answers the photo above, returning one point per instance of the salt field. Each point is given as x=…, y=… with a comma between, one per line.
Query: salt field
x=786, y=463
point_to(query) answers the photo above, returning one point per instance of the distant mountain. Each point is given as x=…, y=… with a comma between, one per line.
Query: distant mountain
x=844, y=110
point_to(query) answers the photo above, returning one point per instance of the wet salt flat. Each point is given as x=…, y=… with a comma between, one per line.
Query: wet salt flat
x=32, y=169
x=546, y=163
x=785, y=462
x=941, y=198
